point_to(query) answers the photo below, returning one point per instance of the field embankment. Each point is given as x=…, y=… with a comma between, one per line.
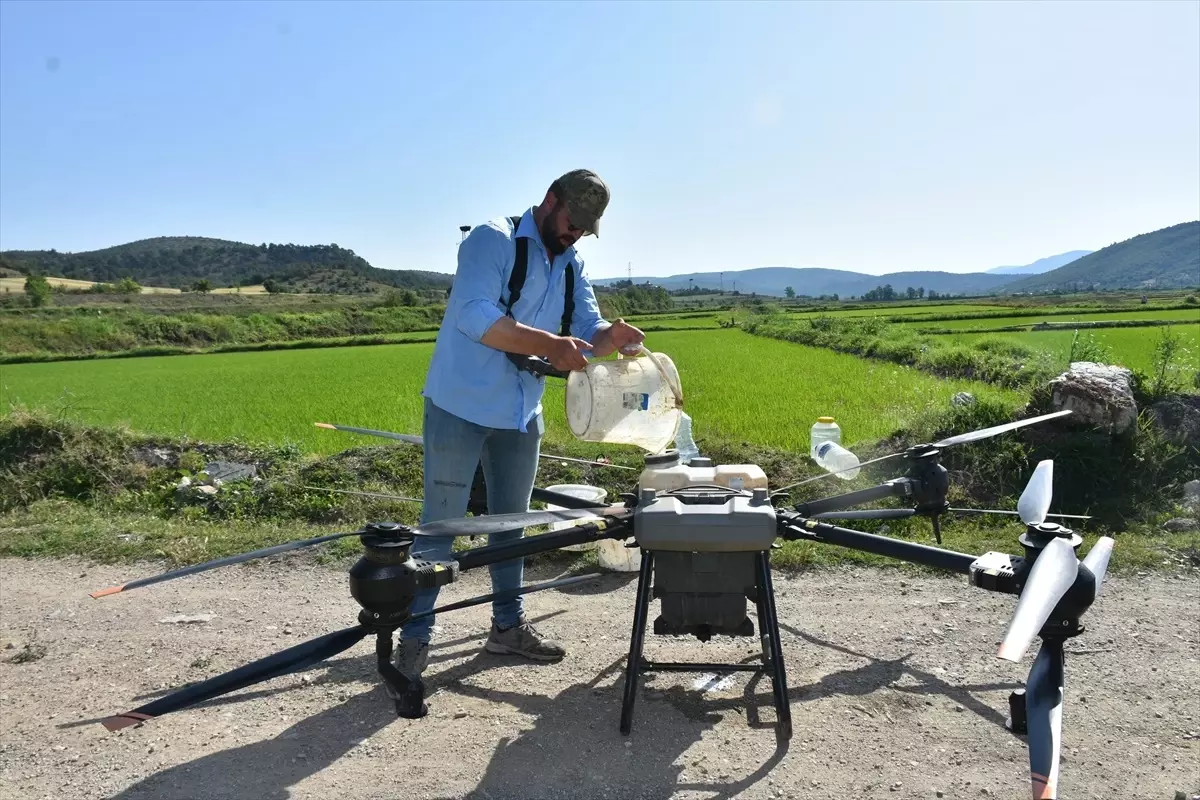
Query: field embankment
x=47, y=336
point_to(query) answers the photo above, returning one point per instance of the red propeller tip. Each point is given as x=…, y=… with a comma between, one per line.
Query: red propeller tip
x=108, y=591
x=124, y=720
x=1043, y=788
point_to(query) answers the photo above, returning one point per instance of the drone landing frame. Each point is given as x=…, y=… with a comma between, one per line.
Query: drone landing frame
x=762, y=592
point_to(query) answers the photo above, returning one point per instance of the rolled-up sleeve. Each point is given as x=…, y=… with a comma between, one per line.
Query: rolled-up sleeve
x=587, y=320
x=483, y=258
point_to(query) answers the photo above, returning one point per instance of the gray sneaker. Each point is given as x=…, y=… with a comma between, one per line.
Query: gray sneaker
x=523, y=640
x=410, y=657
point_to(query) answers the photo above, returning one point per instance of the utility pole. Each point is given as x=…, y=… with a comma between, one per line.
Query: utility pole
x=464, y=229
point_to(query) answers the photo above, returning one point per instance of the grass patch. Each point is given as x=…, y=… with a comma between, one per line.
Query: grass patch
x=111, y=495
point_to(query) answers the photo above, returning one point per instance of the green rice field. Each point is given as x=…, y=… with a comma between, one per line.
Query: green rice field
x=736, y=385
x=1131, y=347
x=1180, y=314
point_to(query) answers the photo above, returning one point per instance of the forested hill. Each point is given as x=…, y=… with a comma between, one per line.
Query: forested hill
x=1164, y=259
x=180, y=261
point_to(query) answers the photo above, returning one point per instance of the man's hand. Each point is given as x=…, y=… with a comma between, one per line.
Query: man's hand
x=625, y=337
x=618, y=336
x=565, y=353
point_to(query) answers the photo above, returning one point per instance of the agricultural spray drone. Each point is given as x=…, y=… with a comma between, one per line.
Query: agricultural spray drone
x=705, y=552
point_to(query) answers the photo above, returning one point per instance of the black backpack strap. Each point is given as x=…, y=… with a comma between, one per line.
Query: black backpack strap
x=517, y=279
x=569, y=306
x=538, y=366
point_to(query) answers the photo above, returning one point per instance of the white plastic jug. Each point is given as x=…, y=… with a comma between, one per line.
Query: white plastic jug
x=636, y=401
x=583, y=491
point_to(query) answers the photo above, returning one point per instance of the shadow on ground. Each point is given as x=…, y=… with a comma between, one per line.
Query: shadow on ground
x=573, y=745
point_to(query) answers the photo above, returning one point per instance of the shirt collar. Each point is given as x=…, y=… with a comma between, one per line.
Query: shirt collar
x=528, y=228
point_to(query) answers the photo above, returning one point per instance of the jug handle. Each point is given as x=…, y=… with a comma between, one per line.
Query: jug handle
x=676, y=389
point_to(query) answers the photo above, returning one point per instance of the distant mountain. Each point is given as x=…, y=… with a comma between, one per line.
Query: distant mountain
x=1163, y=259
x=1042, y=264
x=179, y=261
x=814, y=282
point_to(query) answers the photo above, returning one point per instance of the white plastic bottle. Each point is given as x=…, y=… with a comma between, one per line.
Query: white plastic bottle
x=684, y=442
x=833, y=457
x=823, y=430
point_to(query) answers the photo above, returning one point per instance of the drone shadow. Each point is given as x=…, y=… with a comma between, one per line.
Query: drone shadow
x=575, y=742
x=881, y=673
x=265, y=769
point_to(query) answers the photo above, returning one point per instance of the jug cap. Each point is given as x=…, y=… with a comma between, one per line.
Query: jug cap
x=824, y=419
x=663, y=459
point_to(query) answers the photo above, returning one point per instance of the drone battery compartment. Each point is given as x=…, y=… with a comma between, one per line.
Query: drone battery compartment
x=701, y=519
x=703, y=594
x=704, y=540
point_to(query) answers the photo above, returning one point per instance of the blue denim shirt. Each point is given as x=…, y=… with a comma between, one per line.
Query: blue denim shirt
x=477, y=382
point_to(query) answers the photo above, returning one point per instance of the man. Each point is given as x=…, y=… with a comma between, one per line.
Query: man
x=480, y=407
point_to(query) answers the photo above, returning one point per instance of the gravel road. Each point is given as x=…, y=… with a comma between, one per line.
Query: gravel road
x=896, y=693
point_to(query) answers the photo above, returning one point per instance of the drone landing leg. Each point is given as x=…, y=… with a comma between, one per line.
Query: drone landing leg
x=411, y=702
x=634, y=665
x=768, y=626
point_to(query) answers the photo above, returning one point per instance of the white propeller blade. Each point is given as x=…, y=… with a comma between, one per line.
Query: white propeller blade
x=1052, y=575
x=1035, y=500
x=1097, y=560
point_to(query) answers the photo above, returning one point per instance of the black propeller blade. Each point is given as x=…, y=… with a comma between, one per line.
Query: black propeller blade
x=1013, y=513
x=298, y=658
x=962, y=438
x=870, y=513
x=417, y=440
x=293, y=659
x=504, y=595
x=460, y=526
x=222, y=562
x=1043, y=710
x=995, y=430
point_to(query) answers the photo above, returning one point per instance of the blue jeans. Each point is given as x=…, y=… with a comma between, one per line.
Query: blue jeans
x=453, y=447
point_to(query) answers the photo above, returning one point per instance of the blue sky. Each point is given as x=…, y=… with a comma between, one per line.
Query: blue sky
x=866, y=136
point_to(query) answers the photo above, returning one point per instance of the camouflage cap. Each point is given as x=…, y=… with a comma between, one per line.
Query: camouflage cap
x=586, y=197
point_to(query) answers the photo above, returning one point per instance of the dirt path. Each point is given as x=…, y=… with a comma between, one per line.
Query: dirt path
x=896, y=693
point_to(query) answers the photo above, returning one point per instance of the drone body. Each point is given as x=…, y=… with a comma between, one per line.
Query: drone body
x=705, y=555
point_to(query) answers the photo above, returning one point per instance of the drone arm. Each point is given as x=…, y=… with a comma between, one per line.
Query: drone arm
x=901, y=487
x=530, y=545
x=825, y=533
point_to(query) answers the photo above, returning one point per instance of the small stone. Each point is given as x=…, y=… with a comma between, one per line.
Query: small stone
x=940, y=793
x=1181, y=525
x=958, y=708
x=460, y=714
x=895, y=787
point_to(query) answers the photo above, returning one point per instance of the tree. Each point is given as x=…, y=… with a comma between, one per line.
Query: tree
x=202, y=285
x=789, y=291
x=38, y=290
